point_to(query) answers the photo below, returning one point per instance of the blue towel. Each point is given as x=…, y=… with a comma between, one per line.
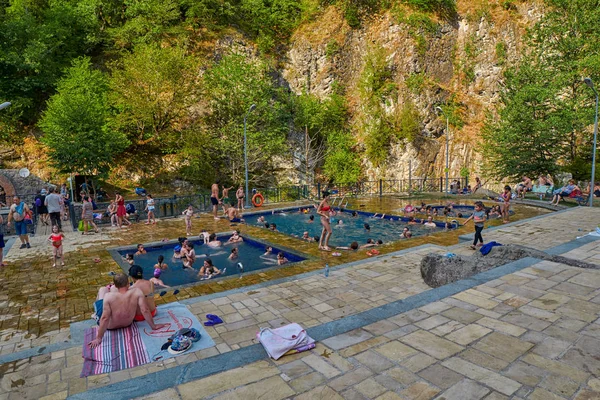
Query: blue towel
x=486, y=248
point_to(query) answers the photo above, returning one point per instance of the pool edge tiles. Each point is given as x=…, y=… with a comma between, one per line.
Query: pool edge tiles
x=115, y=253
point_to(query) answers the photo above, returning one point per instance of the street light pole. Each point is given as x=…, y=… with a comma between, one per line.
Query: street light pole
x=447, y=154
x=252, y=107
x=588, y=81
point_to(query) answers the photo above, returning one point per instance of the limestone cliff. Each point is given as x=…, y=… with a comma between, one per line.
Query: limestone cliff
x=459, y=62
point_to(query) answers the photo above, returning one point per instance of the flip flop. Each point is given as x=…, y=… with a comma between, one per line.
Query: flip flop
x=163, y=293
x=112, y=273
x=214, y=318
x=176, y=291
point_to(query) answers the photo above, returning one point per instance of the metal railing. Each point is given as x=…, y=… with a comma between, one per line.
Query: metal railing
x=166, y=207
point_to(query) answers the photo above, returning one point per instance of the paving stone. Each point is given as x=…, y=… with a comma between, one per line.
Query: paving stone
x=370, y=388
x=524, y=373
x=440, y=376
x=227, y=380
x=306, y=382
x=585, y=394
x=431, y=322
x=374, y=361
x=352, y=394
x=551, y=348
x=388, y=382
x=556, y=367
x=462, y=315
x=398, y=333
x=362, y=346
x=542, y=394
x=419, y=391
x=395, y=350
x=402, y=376
x=320, y=365
x=295, y=369
x=418, y=362
x=525, y=321
x=589, y=279
x=466, y=389
x=501, y=326
x=350, y=378
x=504, y=347
x=468, y=334
x=496, y=396
x=435, y=307
x=274, y=388
x=431, y=344
x=446, y=328
x=560, y=385
x=347, y=339
x=170, y=393
x=389, y=396
x=476, y=300
x=485, y=376
x=381, y=327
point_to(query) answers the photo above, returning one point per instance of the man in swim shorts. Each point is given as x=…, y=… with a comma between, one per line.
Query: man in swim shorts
x=116, y=307
x=214, y=198
x=225, y=202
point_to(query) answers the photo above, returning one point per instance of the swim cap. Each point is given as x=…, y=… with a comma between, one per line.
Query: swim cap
x=177, y=248
x=157, y=272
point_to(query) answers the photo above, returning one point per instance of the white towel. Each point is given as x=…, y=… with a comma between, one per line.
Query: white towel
x=279, y=341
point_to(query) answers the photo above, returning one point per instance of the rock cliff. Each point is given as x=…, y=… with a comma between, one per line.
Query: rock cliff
x=457, y=63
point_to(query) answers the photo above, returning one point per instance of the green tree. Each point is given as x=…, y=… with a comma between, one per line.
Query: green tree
x=553, y=131
x=38, y=40
x=153, y=90
x=230, y=87
x=342, y=164
x=74, y=124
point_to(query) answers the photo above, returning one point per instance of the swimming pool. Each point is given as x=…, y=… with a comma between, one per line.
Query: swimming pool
x=293, y=222
x=464, y=210
x=250, y=251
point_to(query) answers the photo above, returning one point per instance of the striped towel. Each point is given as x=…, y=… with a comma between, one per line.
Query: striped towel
x=120, y=349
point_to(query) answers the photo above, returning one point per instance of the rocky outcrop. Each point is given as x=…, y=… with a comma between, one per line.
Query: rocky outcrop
x=440, y=269
x=460, y=63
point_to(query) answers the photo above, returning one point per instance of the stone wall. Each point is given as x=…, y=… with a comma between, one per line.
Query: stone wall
x=13, y=183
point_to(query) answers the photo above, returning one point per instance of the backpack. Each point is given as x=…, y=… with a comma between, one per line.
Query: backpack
x=19, y=213
x=38, y=202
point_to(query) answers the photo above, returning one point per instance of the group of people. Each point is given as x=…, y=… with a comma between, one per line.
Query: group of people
x=52, y=205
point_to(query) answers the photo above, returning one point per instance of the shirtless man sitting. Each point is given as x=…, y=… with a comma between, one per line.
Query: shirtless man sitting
x=233, y=215
x=118, y=307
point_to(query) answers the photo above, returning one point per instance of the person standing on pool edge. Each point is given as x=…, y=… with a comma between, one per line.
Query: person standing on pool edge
x=478, y=218
x=214, y=198
x=323, y=211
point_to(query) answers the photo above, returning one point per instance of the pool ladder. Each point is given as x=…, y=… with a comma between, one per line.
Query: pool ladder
x=340, y=202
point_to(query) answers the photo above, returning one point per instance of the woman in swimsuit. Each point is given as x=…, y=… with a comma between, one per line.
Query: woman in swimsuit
x=121, y=212
x=323, y=211
x=150, y=209
x=56, y=239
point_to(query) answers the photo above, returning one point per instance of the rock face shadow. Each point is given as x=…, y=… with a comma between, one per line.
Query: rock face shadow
x=439, y=269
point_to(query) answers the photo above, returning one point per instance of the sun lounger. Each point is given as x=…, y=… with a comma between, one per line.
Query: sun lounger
x=542, y=190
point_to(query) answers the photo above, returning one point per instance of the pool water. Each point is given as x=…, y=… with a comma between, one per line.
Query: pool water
x=250, y=255
x=465, y=211
x=294, y=222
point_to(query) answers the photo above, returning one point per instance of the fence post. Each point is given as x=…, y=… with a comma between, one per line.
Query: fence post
x=441, y=184
x=380, y=187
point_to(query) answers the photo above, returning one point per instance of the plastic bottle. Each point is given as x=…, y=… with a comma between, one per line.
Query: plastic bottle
x=326, y=270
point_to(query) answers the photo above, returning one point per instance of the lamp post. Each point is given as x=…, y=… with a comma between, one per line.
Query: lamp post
x=4, y=105
x=447, y=154
x=588, y=81
x=252, y=107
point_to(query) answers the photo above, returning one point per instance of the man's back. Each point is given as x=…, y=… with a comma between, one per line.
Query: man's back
x=123, y=307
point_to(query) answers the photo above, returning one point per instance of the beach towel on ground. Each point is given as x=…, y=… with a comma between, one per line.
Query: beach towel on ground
x=120, y=349
x=277, y=342
x=138, y=344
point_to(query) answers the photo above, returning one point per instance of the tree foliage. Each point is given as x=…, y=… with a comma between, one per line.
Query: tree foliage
x=74, y=124
x=544, y=123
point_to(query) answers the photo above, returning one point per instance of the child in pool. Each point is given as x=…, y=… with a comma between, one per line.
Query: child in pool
x=177, y=252
x=281, y=259
x=156, y=279
x=129, y=259
x=234, y=254
x=205, y=236
x=188, y=213
x=56, y=238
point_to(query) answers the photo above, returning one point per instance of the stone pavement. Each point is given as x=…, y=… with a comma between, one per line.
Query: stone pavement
x=315, y=301
x=532, y=334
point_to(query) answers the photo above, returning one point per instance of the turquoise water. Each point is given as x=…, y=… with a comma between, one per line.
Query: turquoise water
x=250, y=255
x=295, y=223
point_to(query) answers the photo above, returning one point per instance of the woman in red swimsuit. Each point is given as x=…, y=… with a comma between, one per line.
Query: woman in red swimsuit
x=121, y=212
x=323, y=211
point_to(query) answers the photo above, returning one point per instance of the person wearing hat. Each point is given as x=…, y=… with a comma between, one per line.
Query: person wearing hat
x=118, y=306
x=137, y=275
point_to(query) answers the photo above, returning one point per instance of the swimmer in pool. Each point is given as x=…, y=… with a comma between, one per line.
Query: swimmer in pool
x=281, y=259
x=261, y=220
x=213, y=242
x=156, y=279
x=367, y=227
x=353, y=246
x=234, y=254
